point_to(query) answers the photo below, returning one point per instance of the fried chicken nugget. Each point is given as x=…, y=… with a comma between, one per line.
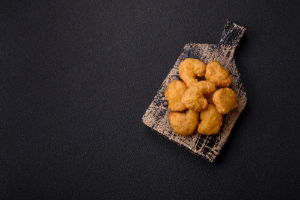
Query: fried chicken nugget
x=184, y=123
x=225, y=100
x=191, y=68
x=217, y=74
x=211, y=121
x=206, y=87
x=193, y=99
x=173, y=94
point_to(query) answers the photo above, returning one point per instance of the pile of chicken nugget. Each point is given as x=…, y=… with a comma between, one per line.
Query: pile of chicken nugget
x=200, y=99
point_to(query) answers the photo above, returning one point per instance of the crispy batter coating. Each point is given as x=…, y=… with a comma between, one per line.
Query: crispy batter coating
x=184, y=123
x=206, y=87
x=173, y=94
x=193, y=99
x=225, y=100
x=211, y=121
x=217, y=74
x=191, y=68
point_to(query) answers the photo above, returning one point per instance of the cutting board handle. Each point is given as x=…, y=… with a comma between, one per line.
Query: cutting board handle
x=231, y=35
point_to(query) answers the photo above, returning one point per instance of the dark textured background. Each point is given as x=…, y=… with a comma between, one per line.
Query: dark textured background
x=77, y=76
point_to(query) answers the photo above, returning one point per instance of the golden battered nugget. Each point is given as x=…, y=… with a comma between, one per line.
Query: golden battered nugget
x=211, y=121
x=184, y=123
x=189, y=69
x=193, y=99
x=225, y=100
x=174, y=93
x=217, y=74
x=206, y=87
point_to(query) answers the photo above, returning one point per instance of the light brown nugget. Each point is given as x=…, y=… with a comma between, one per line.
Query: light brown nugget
x=217, y=74
x=211, y=121
x=193, y=99
x=206, y=87
x=190, y=69
x=173, y=94
x=184, y=123
x=225, y=100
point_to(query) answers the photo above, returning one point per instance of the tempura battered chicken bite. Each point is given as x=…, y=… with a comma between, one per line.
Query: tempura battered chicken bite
x=193, y=99
x=173, y=94
x=225, y=100
x=184, y=123
x=217, y=74
x=211, y=121
x=206, y=87
x=190, y=69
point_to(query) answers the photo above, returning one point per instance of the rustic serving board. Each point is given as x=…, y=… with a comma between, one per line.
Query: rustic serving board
x=156, y=116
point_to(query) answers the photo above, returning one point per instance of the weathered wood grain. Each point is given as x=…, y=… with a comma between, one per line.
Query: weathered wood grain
x=156, y=116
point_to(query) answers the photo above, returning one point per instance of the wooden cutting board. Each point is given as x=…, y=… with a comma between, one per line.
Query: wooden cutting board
x=156, y=116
